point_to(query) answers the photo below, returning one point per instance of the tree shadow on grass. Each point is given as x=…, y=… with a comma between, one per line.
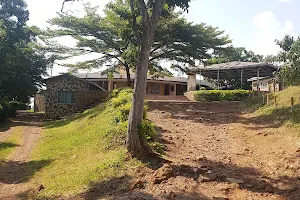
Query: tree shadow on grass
x=13, y=172
x=6, y=145
x=275, y=118
x=22, y=118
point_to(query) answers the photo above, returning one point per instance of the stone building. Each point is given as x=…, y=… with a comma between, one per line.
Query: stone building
x=67, y=94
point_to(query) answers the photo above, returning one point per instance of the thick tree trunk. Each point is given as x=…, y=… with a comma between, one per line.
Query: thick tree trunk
x=135, y=143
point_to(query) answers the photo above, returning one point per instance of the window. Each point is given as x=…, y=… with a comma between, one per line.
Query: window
x=172, y=88
x=66, y=97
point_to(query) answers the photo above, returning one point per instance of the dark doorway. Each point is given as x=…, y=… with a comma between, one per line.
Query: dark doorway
x=180, y=89
x=167, y=89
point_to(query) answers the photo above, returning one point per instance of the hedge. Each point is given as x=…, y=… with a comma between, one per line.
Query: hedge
x=8, y=109
x=221, y=95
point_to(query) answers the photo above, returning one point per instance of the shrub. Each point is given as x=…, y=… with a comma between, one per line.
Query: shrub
x=147, y=130
x=121, y=102
x=221, y=95
x=7, y=110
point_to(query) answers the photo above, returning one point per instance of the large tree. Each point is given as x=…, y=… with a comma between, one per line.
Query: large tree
x=113, y=36
x=150, y=12
x=21, y=65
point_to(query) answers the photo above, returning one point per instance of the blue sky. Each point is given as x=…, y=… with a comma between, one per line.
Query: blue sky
x=253, y=24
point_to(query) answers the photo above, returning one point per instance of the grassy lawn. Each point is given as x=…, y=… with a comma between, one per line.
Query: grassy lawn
x=83, y=149
x=7, y=146
x=282, y=114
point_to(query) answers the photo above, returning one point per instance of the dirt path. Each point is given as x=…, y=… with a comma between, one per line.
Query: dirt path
x=17, y=169
x=219, y=152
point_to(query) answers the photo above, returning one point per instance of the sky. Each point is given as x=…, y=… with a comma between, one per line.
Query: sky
x=254, y=24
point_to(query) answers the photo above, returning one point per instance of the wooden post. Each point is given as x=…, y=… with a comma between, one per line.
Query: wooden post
x=292, y=103
x=263, y=98
x=268, y=100
x=275, y=101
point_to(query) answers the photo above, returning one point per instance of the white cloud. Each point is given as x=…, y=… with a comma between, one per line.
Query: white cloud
x=268, y=28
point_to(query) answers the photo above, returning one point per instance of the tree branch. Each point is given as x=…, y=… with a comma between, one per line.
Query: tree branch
x=63, y=4
x=134, y=24
x=165, y=53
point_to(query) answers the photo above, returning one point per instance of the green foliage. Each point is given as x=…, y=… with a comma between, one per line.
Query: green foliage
x=231, y=54
x=221, y=95
x=7, y=109
x=147, y=130
x=121, y=101
x=21, y=63
x=176, y=39
x=18, y=105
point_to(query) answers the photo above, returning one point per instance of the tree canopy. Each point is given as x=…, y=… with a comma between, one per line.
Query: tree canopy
x=231, y=54
x=21, y=65
x=290, y=55
x=113, y=36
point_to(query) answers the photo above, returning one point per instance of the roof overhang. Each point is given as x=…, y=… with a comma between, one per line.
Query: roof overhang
x=236, y=70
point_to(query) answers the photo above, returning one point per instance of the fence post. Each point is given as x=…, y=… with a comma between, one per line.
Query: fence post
x=275, y=101
x=268, y=101
x=292, y=104
x=263, y=98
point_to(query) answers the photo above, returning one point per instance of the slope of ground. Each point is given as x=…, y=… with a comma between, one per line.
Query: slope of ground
x=82, y=150
x=212, y=151
x=281, y=115
x=218, y=151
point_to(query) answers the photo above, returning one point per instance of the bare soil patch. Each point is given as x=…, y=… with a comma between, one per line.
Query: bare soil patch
x=214, y=151
x=16, y=171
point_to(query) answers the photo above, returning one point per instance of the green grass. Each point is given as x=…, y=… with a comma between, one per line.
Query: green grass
x=282, y=114
x=7, y=146
x=83, y=149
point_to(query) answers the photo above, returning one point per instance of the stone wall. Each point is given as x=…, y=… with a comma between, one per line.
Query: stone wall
x=83, y=97
x=39, y=102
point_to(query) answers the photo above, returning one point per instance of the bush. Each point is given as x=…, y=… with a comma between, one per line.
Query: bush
x=221, y=95
x=7, y=110
x=18, y=105
x=121, y=102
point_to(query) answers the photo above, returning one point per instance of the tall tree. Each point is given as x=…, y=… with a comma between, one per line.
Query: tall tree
x=150, y=12
x=113, y=37
x=21, y=65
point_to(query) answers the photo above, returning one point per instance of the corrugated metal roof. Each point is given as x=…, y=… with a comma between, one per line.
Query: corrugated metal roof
x=233, y=70
x=234, y=65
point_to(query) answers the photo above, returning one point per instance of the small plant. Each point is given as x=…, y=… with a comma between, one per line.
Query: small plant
x=147, y=130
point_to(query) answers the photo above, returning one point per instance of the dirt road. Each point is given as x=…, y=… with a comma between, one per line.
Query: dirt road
x=17, y=169
x=220, y=152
